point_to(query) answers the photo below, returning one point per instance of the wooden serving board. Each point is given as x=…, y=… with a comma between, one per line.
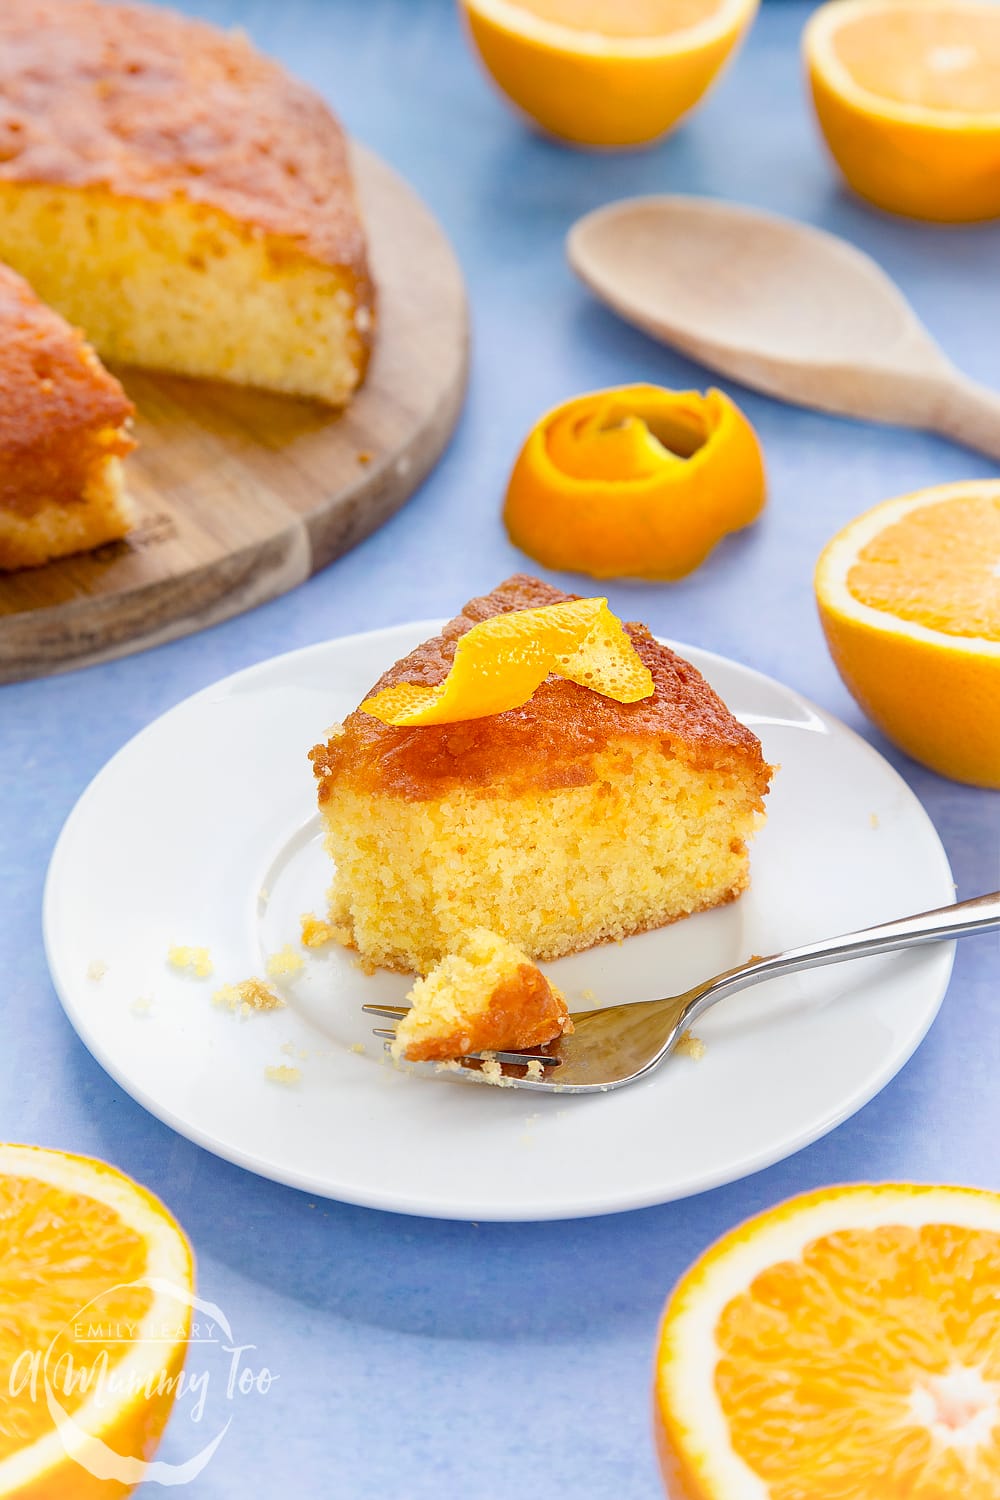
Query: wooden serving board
x=241, y=495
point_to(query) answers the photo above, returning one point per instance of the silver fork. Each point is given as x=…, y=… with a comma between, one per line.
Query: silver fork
x=619, y=1044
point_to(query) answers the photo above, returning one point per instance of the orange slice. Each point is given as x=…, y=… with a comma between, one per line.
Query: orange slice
x=909, y=599
x=501, y=662
x=907, y=96
x=634, y=482
x=606, y=72
x=84, y=1254
x=843, y=1346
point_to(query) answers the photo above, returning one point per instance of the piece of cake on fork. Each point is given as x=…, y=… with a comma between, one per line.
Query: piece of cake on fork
x=571, y=820
x=486, y=996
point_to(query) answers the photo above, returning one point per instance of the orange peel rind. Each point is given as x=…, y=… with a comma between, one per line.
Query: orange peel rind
x=635, y=482
x=502, y=661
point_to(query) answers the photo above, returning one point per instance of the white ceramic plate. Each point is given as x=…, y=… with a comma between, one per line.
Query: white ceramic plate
x=203, y=831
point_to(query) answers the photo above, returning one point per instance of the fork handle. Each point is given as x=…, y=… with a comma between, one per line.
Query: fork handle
x=976, y=915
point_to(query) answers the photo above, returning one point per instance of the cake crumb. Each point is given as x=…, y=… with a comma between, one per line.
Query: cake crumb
x=692, y=1046
x=197, y=961
x=527, y=1139
x=142, y=1005
x=873, y=819
x=285, y=961
x=366, y=966
x=589, y=996
x=263, y=895
x=288, y=1048
x=283, y=1074
x=492, y=1072
x=535, y=1070
x=364, y=458
x=248, y=996
x=359, y=1048
x=96, y=969
x=314, y=932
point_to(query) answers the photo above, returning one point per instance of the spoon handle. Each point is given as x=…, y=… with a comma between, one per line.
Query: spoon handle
x=979, y=914
x=970, y=414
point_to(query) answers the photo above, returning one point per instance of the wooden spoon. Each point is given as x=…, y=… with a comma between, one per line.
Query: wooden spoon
x=779, y=306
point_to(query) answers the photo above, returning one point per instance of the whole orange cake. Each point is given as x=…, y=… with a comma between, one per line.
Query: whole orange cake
x=63, y=430
x=181, y=197
x=572, y=820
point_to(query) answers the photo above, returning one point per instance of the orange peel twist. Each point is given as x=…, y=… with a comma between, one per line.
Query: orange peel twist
x=502, y=661
x=635, y=482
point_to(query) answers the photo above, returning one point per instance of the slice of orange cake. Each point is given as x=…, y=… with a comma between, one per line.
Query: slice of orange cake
x=570, y=820
x=63, y=430
x=486, y=996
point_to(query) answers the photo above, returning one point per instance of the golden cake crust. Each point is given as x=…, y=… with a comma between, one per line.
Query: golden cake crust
x=548, y=742
x=151, y=104
x=60, y=410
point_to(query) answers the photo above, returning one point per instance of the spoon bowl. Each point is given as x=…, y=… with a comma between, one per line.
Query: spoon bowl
x=780, y=306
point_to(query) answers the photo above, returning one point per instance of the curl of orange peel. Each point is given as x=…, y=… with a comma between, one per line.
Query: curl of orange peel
x=500, y=663
x=635, y=482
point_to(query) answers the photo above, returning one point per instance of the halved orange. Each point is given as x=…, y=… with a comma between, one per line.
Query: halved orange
x=908, y=99
x=843, y=1346
x=95, y=1276
x=606, y=72
x=909, y=599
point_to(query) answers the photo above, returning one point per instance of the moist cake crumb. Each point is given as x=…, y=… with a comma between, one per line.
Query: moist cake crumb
x=692, y=1046
x=196, y=961
x=283, y=1074
x=285, y=961
x=314, y=932
x=247, y=997
x=96, y=969
x=492, y=1072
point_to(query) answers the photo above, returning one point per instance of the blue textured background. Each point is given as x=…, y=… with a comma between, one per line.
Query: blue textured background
x=419, y=1358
